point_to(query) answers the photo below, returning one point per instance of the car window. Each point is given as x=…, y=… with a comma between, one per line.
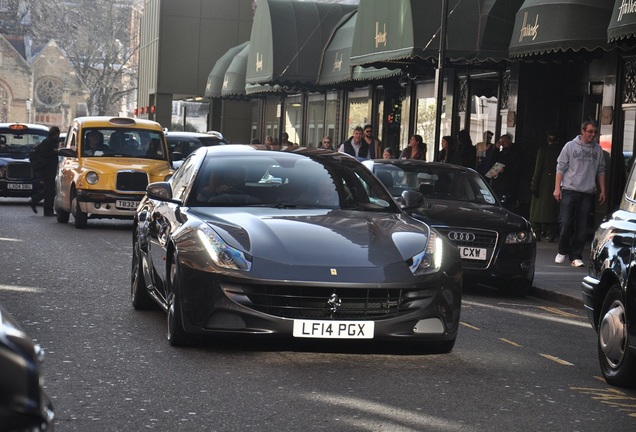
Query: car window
x=181, y=178
x=286, y=182
x=437, y=183
x=20, y=142
x=114, y=142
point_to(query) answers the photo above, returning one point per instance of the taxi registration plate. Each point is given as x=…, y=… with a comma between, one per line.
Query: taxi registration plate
x=19, y=186
x=123, y=204
x=470, y=253
x=334, y=329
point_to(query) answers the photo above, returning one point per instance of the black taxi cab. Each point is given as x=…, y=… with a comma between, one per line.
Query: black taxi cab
x=106, y=164
x=16, y=174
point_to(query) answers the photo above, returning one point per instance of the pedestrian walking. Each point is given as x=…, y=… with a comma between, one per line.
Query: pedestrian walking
x=44, y=161
x=579, y=165
x=544, y=209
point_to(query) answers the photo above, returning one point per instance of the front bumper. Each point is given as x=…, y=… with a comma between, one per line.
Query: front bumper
x=101, y=203
x=20, y=188
x=511, y=263
x=429, y=312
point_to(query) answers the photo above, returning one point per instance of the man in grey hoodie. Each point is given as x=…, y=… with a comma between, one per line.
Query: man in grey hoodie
x=579, y=165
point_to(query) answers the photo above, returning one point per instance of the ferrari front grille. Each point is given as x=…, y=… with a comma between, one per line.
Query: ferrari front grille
x=317, y=302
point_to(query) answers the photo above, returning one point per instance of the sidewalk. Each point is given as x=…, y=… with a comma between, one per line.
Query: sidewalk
x=560, y=283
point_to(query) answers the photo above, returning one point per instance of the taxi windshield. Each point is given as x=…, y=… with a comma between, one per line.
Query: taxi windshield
x=119, y=142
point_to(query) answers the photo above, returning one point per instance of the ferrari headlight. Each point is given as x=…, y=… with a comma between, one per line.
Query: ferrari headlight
x=92, y=177
x=430, y=259
x=519, y=237
x=221, y=253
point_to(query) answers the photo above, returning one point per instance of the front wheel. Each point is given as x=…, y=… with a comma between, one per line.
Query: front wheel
x=176, y=333
x=138, y=293
x=62, y=216
x=618, y=364
x=81, y=218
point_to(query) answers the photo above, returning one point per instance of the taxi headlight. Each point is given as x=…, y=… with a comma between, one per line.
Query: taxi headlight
x=430, y=259
x=221, y=253
x=519, y=237
x=92, y=178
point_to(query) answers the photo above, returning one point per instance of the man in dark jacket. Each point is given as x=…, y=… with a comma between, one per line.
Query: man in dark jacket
x=355, y=146
x=44, y=164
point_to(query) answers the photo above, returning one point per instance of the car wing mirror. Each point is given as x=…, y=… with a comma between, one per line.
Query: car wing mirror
x=67, y=152
x=161, y=191
x=411, y=199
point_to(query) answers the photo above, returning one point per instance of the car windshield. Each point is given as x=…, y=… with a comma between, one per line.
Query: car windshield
x=18, y=143
x=436, y=182
x=285, y=180
x=114, y=142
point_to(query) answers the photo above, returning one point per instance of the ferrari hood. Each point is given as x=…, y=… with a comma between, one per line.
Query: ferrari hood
x=319, y=237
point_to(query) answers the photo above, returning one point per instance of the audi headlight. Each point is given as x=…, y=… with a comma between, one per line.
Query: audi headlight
x=519, y=237
x=430, y=259
x=221, y=253
x=92, y=178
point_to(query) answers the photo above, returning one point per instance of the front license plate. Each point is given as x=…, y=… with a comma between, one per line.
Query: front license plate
x=334, y=329
x=472, y=253
x=19, y=186
x=126, y=204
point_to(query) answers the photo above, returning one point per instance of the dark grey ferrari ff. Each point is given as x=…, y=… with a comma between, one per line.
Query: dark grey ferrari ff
x=302, y=243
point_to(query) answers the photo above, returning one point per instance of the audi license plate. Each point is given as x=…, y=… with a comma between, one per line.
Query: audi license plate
x=470, y=253
x=129, y=205
x=334, y=329
x=19, y=186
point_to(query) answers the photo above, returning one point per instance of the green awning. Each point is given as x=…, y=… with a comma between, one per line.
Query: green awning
x=287, y=41
x=234, y=80
x=544, y=26
x=392, y=31
x=623, y=21
x=336, y=64
x=215, y=79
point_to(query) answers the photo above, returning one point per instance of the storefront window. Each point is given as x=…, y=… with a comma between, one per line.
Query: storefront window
x=331, y=117
x=359, y=109
x=255, y=132
x=271, y=116
x=629, y=130
x=426, y=112
x=294, y=117
x=315, y=119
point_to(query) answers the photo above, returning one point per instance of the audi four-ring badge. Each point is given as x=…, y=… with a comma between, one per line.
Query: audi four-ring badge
x=497, y=246
x=298, y=243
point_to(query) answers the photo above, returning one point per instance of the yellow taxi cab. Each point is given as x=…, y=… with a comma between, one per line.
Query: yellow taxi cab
x=106, y=164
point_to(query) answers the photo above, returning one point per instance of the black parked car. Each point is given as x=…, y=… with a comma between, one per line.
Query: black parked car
x=302, y=242
x=497, y=246
x=181, y=144
x=23, y=404
x=609, y=291
x=16, y=175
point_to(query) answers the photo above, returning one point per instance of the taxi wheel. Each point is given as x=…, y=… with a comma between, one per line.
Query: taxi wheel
x=62, y=216
x=138, y=293
x=617, y=362
x=176, y=333
x=81, y=218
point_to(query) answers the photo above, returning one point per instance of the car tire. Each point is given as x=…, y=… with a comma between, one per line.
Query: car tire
x=176, y=333
x=81, y=218
x=62, y=216
x=617, y=362
x=139, y=296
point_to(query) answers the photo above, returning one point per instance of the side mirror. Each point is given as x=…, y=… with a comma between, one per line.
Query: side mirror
x=412, y=199
x=160, y=191
x=67, y=152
